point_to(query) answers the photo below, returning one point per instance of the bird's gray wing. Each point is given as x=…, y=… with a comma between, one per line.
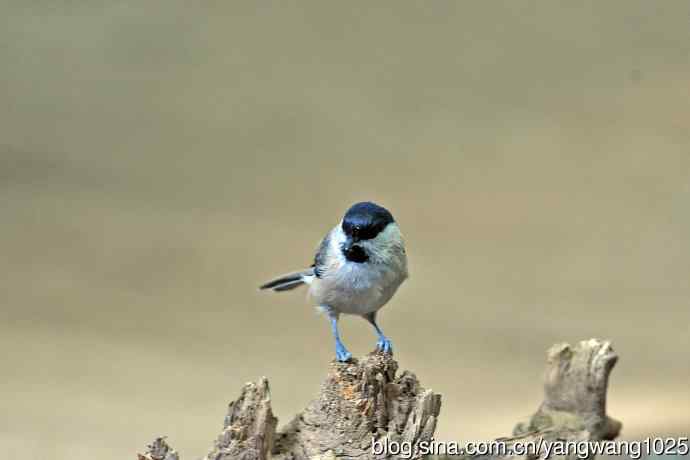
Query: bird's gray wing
x=320, y=258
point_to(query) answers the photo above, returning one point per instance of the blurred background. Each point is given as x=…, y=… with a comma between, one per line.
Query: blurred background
x=159, y=160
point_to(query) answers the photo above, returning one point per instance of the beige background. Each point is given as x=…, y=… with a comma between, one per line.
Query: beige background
x=159, y=160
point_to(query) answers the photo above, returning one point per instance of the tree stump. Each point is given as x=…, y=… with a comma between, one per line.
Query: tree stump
x=575, y=386
x=359, y=402
x=574, y=406
x=367, y=400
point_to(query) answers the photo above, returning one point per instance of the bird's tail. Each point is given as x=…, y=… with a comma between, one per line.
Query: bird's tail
x=289, y=281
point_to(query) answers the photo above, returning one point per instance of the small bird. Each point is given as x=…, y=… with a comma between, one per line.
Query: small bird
x=357, y=268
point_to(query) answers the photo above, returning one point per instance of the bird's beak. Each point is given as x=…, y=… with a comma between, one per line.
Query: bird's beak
x=347, y=245
x=353, y=251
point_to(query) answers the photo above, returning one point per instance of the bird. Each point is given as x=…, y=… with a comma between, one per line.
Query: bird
x=357, y=269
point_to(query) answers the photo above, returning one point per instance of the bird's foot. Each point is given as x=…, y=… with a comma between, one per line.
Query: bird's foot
x=341, y=353
x=384, y=345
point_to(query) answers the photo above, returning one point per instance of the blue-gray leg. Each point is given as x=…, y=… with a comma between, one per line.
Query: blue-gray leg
x=341, y=353
x=384, y=344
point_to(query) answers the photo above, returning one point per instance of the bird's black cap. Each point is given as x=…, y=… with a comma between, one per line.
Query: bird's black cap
x=365, y=220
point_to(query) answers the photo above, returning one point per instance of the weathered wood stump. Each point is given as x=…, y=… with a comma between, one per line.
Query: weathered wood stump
x=159, y=450
x=367, y=400
x=574, y=406
x=575, y=386
x=360, y=401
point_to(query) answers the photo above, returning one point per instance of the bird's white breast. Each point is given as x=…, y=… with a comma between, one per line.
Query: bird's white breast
x=361, y=288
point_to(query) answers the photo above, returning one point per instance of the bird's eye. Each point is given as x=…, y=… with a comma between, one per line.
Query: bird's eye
x=355, y=231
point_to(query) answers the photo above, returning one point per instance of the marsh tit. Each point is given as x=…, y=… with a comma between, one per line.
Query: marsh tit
x=357, y=268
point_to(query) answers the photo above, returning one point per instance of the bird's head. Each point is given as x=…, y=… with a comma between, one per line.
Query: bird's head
x=370, y=233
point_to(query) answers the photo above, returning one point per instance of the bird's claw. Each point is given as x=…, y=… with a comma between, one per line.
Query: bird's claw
x=342, y=355
x=384, y=345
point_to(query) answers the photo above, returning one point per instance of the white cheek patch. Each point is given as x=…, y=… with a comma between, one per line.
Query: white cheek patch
x=381, y=247
x=337, y=239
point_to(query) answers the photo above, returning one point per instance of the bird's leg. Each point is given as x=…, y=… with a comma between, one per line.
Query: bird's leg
x=384, y=344
x=341, y=353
